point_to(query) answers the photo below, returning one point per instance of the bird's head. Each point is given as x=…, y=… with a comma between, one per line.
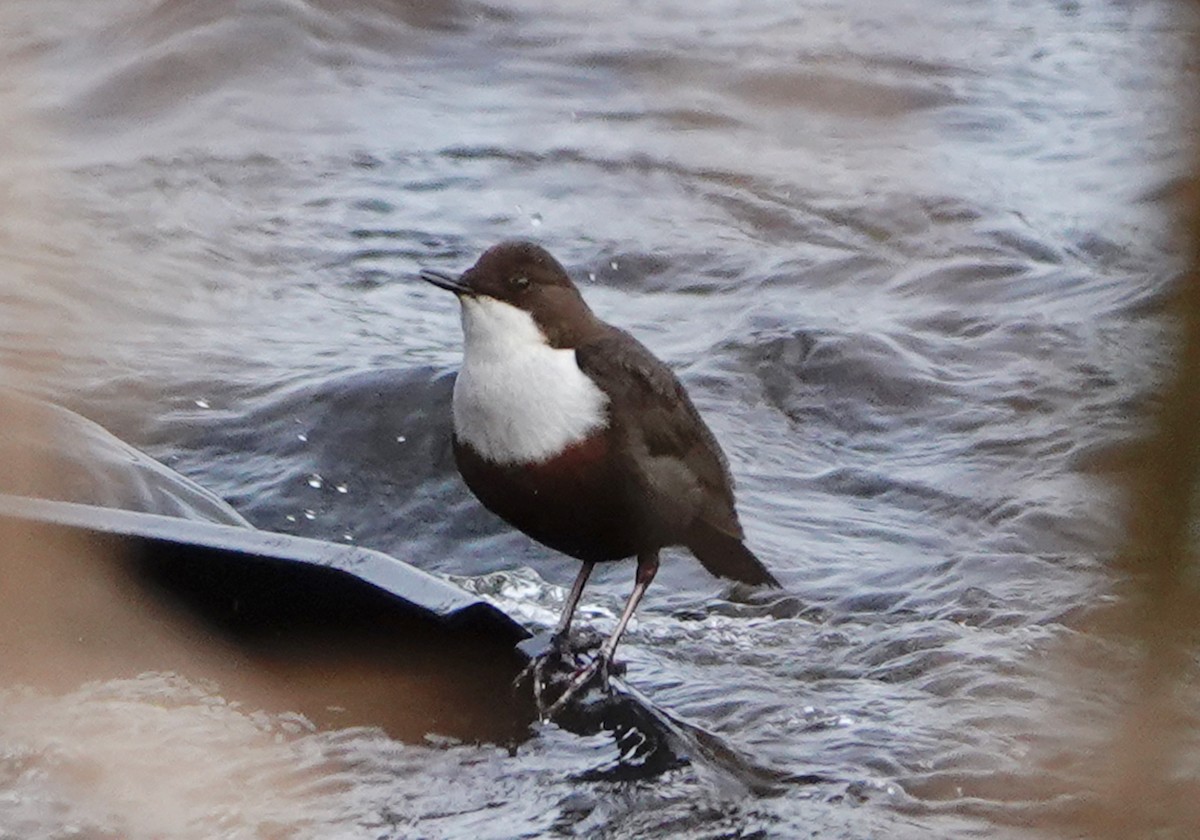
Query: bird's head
x=517, y=293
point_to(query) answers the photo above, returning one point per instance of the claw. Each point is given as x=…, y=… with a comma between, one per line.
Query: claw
x=561, y=659
x=537, y=663
x=598, y=668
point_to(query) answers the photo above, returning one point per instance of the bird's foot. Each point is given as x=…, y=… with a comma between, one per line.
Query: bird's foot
x=593, y=674
x=561, y=667
x=554, y=658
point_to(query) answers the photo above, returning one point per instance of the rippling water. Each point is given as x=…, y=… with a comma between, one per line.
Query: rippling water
x=908, y=259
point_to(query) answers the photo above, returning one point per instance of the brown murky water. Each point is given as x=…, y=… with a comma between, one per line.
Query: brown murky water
x=909, y=259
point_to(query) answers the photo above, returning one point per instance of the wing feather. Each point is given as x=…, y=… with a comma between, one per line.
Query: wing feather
x=654, y=411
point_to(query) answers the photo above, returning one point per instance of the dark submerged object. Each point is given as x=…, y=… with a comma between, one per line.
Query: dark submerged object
x=304, y=608
x=344, y=635
x=647, y=474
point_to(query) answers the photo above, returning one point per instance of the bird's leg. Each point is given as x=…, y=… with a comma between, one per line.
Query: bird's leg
x=646, y=570
x=564, y=622
x=558, y=641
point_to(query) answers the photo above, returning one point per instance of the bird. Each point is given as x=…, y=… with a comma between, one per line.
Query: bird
x=569, y=429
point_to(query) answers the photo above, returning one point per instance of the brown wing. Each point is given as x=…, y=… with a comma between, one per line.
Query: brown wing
x=655, y=413
x=679, y=466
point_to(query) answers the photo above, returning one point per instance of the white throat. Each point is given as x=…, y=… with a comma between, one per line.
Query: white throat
x=518, y=400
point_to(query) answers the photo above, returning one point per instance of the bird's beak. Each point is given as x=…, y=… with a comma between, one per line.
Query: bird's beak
x=445, y=281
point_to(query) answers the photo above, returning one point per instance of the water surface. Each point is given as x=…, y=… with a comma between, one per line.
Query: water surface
x=908, y=261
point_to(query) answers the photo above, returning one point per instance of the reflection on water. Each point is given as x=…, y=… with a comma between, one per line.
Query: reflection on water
x=909, y=260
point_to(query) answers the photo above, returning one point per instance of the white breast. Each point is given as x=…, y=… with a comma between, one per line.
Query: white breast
x=517, y=399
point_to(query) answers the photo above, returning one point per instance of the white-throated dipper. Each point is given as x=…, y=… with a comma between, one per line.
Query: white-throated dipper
x=570, y=430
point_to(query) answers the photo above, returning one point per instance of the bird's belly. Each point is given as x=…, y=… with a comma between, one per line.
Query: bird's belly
x=572, y=501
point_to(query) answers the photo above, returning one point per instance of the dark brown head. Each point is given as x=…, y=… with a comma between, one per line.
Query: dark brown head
x=525, y=276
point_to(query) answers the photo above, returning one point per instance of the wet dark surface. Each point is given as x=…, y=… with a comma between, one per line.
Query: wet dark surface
x=373, y=633
x=908, y=260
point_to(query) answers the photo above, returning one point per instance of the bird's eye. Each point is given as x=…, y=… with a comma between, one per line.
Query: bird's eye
x=520, y=281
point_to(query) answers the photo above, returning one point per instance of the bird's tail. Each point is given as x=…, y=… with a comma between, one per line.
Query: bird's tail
x=727, y=556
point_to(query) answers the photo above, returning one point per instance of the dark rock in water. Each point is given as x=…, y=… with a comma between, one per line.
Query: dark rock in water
x=340, y=627
x=343, y=635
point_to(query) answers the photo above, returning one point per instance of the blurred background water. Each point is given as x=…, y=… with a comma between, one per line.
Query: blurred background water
x=910, y=260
